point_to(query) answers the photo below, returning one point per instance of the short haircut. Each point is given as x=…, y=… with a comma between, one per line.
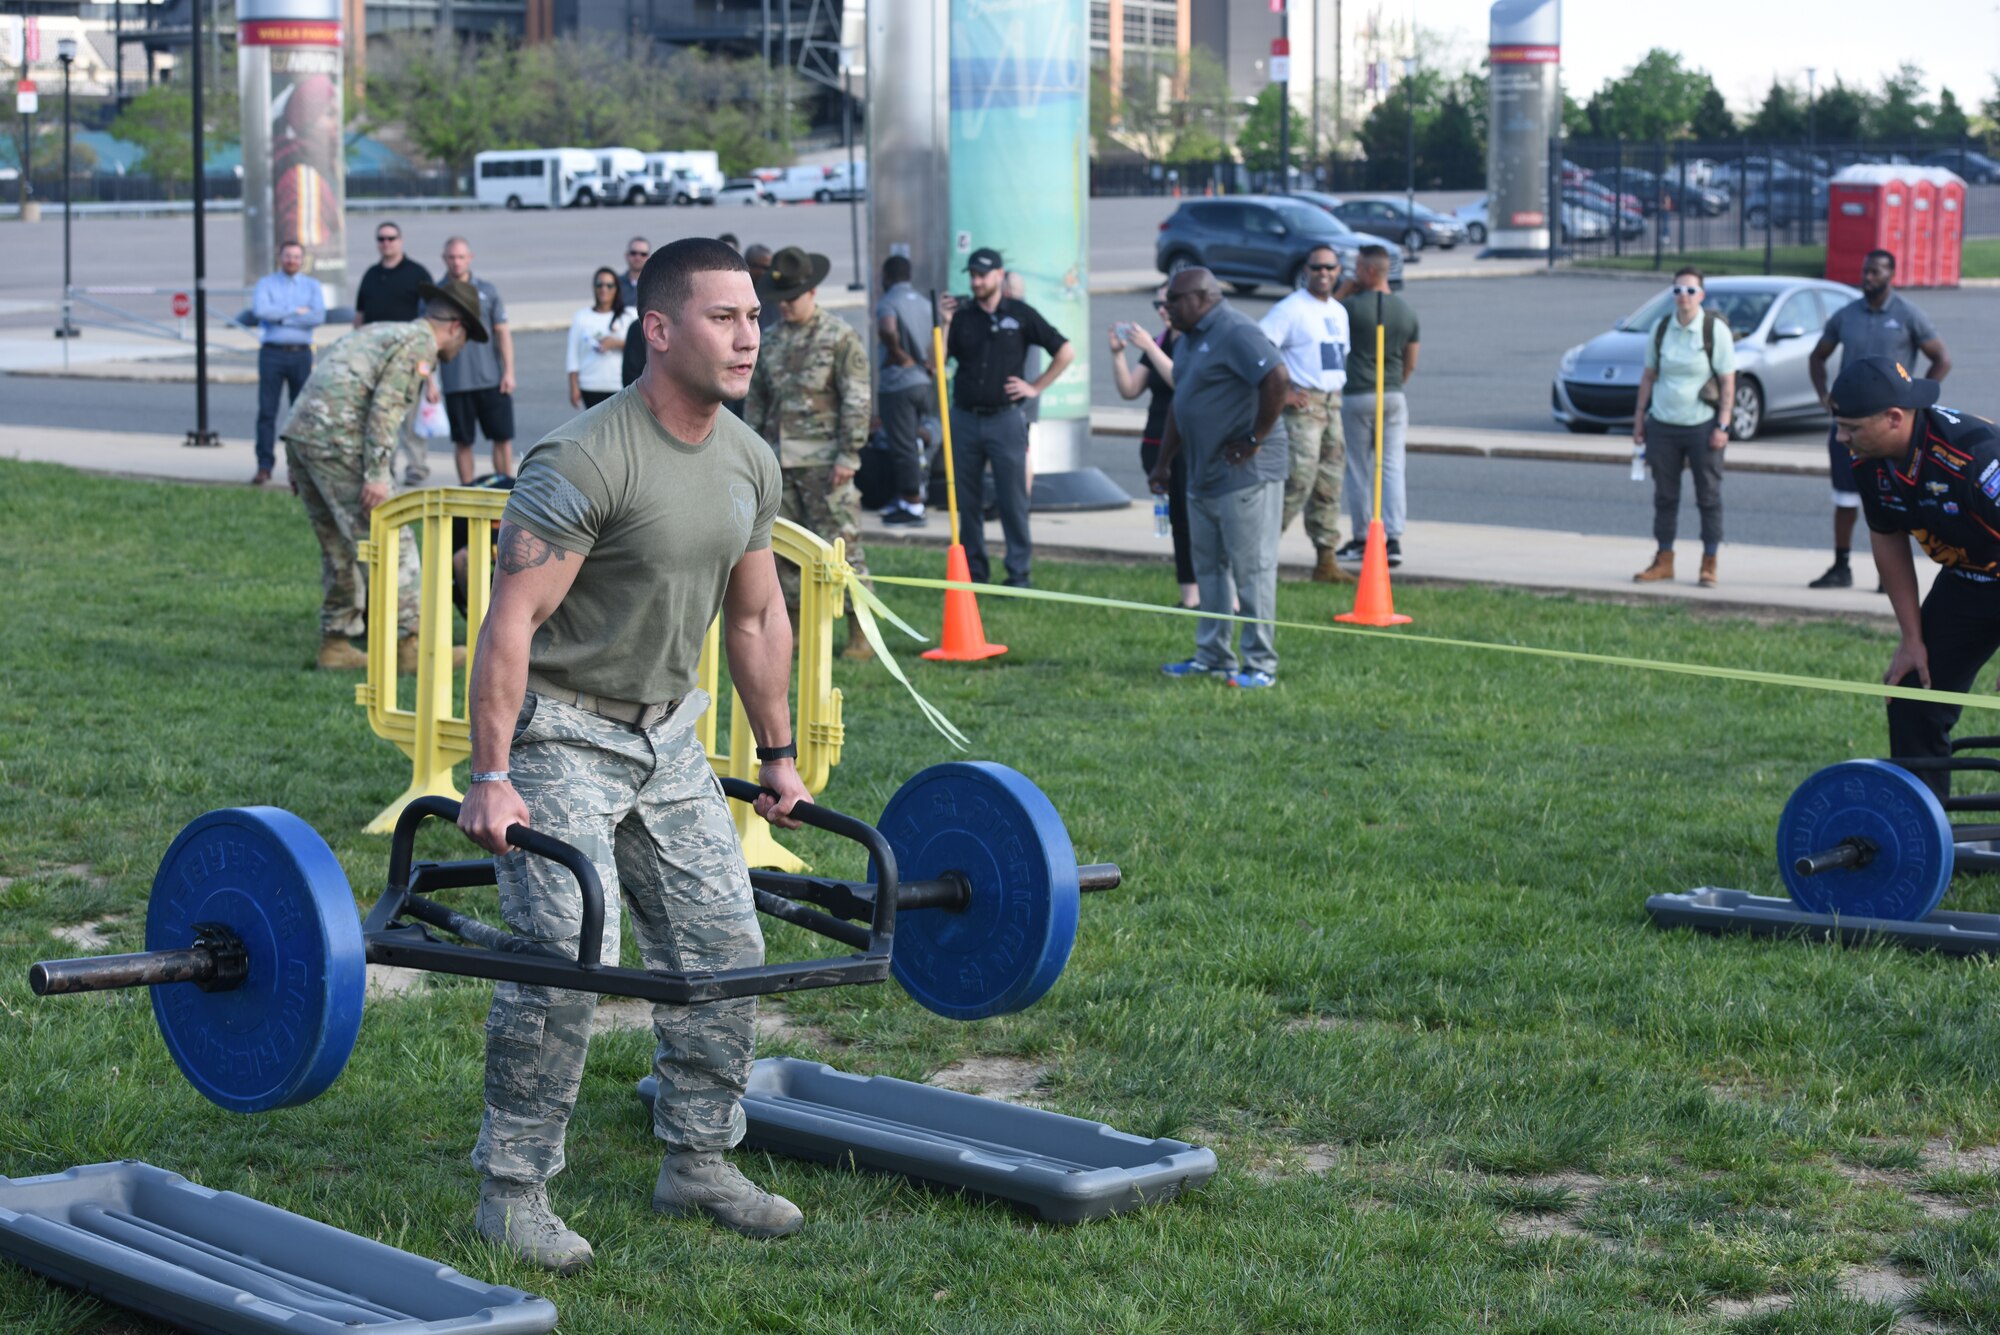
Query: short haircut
x=386, y=223
x=1373, y=254
x=1886, y=256
x=1689, y=271
x=757, y=254
x=639, y=241
x=896, y=269
x=667, y=281
x=451, y=241
x=289, y=244
x=729, y=239
x=1325, y=247
x=437, y=308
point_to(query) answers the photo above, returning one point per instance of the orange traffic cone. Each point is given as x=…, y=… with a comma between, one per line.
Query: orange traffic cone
x=964, y=638
x=1372, y=604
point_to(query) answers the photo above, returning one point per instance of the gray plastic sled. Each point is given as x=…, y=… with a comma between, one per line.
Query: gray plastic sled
x=1715, y=910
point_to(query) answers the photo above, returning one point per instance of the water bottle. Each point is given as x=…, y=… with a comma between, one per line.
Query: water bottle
x=1163, y=526
x=1638, y=461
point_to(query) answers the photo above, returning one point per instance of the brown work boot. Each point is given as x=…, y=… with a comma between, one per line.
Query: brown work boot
x=858, y=649
x=337, y=655
x=705, y=1183
x=1662, y=568
x=1707, y=577
x=1328, y=570
x=517, y=1217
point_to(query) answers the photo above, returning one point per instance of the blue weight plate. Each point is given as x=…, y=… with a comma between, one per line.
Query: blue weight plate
x=282, y=1035
x=1889, y=807
x=991, y=825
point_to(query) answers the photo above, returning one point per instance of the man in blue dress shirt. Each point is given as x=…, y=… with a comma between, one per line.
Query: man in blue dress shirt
x=288, y=305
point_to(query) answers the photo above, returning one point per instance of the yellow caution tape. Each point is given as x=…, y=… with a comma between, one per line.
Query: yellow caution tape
x=1833, y=684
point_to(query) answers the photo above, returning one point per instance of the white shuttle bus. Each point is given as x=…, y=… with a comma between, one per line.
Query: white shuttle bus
x=536, y=178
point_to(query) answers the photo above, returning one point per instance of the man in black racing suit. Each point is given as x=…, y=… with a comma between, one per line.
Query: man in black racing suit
x=1932, y=473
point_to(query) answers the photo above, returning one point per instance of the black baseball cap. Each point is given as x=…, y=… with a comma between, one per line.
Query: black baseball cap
x=985, y=260
x=1872, y=385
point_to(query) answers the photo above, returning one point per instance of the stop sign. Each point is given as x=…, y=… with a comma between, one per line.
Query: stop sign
x=181, y=304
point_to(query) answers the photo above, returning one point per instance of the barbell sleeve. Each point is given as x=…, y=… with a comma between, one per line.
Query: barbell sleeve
x=1846, y=853
x=214, y=963
x=1099, y=876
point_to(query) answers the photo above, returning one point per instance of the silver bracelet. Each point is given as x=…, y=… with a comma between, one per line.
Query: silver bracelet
x=490, y=776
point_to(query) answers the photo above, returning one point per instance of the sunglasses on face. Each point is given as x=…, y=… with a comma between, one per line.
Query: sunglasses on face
x=1324, y=268
x=1685, y=291
x=604, y=285
x=637, y=254
x=385, y=240
x=1159, y=305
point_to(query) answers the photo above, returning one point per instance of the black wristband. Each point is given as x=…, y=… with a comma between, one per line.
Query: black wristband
x=789, y=751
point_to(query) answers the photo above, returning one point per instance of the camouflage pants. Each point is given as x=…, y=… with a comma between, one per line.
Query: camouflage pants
x=646, y=810
x=828, y=511
x=330, y=486
x=1319, y=452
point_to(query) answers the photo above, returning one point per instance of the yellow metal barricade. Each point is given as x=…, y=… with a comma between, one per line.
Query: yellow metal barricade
x=435, y=733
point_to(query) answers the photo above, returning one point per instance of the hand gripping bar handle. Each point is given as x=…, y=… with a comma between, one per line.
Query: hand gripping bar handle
x=590, y=941
x=847, y=827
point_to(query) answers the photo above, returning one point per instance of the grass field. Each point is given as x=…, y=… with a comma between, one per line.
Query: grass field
x=1980, y=259
x=1380, y=944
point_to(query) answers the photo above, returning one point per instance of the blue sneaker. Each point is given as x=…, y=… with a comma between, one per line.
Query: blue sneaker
x=1250, y=679
x=1192, y=667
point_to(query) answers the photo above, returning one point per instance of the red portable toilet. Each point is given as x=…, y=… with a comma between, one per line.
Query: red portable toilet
x=1919, y=267
x=1867, y=209
x=1950, y=229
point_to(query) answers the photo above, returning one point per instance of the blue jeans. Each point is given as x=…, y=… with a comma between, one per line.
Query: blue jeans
x=279, y=366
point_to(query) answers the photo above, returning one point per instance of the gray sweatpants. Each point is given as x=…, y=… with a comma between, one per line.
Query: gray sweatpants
x=1357, y=421
x=1234, y=538
x=645, y=808
x=1670, y=448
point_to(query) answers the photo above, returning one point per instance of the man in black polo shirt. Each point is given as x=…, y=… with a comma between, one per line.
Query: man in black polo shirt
x=388, y=290
x=989, y=338
x=1932, y=473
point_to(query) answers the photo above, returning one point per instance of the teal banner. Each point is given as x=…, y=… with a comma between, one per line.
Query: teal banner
x=1020, y=172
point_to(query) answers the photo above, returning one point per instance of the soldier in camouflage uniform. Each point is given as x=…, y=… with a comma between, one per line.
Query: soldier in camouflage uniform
x=340, y=444
x=629, y=527
x=809, y=398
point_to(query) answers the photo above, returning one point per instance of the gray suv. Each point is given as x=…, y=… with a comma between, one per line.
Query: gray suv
x=1249, y=241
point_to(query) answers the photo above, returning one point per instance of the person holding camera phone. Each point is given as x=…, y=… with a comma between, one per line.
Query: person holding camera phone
x=1153, y=374
x=1682, y=418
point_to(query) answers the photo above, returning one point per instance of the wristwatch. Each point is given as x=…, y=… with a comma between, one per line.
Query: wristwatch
x=789, y=751
x=1253, y=441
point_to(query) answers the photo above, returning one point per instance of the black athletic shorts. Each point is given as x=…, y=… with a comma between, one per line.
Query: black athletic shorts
x=489, y=409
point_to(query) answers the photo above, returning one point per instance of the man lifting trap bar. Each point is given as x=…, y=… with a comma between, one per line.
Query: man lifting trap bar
x=1932, y=473
x=629, y=528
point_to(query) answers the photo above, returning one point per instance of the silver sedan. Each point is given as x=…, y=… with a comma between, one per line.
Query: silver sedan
x=1776, y=323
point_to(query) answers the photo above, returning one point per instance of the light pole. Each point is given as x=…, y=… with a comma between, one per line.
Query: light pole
x=860, y=280
x=66, y=53
x=1283, y=74
x=201, y=436
x=1410, y=149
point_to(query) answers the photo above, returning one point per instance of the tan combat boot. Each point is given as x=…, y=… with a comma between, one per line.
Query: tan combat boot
x=1328, y=570
x=337, y=655
x=704, y=1183
x=1662, y=568
x=1707, y=577
x=406, y=655
x=517, y=1217
x=858, y=649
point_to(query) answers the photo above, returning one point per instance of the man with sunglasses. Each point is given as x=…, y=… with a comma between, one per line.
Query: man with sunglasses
x=637, y=251
x=389, y=294
x=1309, y=329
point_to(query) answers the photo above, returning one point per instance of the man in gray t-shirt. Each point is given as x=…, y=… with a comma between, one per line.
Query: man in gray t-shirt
x=1879, y=323
x=630, y=528
x=479, y=394
x=905, y=394
x=1230, y=387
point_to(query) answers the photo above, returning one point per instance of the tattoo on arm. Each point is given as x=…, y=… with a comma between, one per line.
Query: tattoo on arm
x=521, y=550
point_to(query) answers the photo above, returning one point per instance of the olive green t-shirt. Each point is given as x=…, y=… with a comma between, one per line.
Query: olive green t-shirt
x=1399, y=330
x=659, y=524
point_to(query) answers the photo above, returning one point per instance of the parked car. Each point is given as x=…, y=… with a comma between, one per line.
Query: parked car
x=1390, y=218
x=794, y=185
x=1598, y=188
x=1776, y=323
x=837, y=186
x=1976, y=168
x=1252, y=240
x=1329, y=204
x=1577, y=224
x=1658, y=192
x=1629, y=222
x=743, y=190
x=1786, y=203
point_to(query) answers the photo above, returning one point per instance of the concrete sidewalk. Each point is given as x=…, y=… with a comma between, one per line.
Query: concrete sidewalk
x=1754, y=579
